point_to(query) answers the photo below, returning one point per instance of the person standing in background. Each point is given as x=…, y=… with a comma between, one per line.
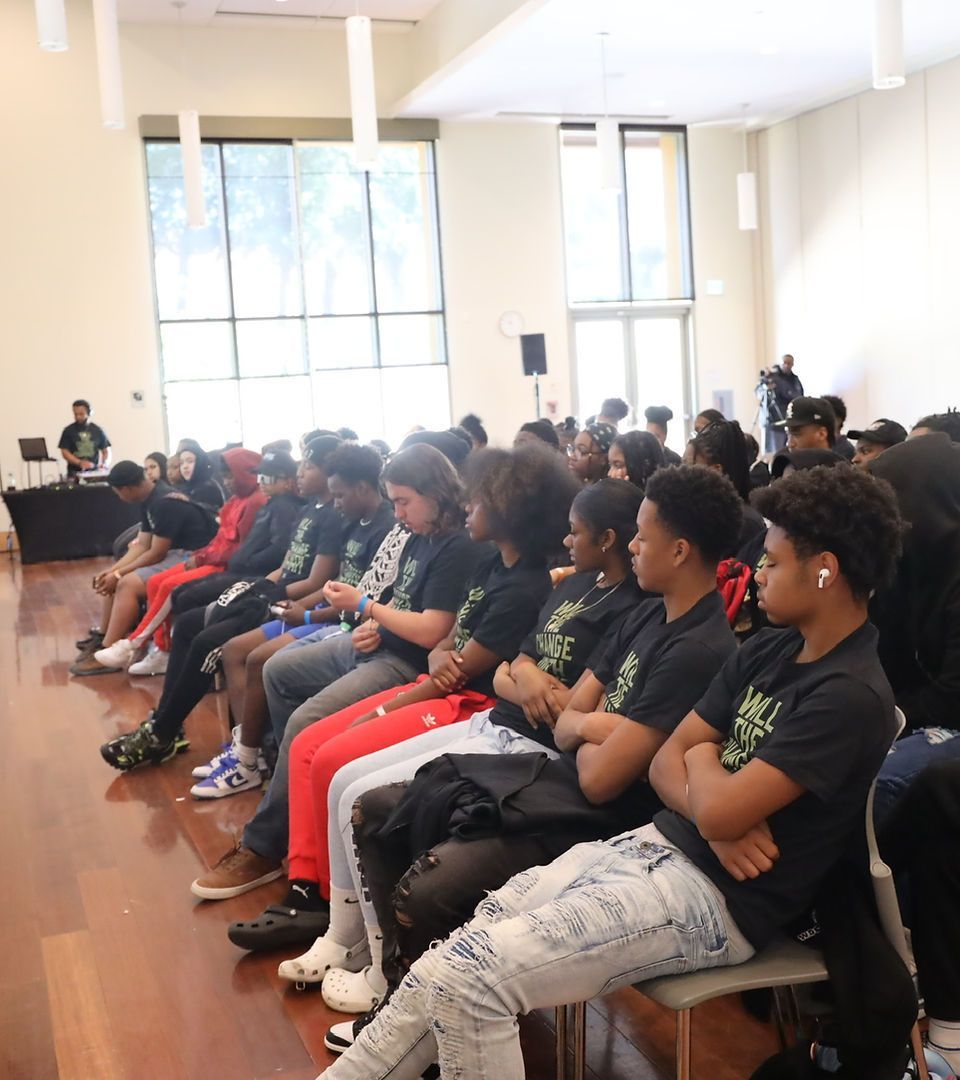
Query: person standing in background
x=83, y=444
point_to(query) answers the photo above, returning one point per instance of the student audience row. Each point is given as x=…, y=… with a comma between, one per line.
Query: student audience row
x=578, y=718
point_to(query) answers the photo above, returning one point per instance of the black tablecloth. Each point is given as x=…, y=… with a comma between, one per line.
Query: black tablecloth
x=73, y=522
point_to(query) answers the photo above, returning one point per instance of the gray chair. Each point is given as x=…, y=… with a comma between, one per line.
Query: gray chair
x=783, y=964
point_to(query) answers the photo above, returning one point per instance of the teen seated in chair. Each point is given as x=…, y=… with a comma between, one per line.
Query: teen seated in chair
x=765, y=784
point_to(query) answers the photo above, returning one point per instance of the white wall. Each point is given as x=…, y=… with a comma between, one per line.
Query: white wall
x=76, y=297
x=861, y=252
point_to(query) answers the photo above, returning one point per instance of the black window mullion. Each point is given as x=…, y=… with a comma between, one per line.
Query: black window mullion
x=368, y=215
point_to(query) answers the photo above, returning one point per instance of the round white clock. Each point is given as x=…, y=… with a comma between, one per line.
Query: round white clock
x=511, y=324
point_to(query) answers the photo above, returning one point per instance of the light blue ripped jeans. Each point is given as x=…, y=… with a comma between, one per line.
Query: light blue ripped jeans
x=602, y=916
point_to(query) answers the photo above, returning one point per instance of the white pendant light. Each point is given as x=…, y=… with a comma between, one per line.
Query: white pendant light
x=888, y=71
x=189, y=125
x=108, y=63
x=363, y=96
x=608, y=135
x=51, y=25
x=747, y=200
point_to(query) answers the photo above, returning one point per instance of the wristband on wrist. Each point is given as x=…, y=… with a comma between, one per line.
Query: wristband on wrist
x=306, y=618
x=362, y=605
x=381, y=711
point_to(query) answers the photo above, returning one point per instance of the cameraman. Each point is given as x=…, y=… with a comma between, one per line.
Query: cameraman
x=782, y=386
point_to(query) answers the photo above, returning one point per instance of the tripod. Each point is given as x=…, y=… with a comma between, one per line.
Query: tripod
x=767, y=407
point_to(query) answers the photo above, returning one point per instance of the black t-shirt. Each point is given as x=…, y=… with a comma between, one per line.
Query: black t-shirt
x=828, y=726
x=844, y=447
x=205, y=493
x=432, y=574
x=499, y=609
x=654, y=672
x=752, y=527
x=267, y=542
x=570, y=630
x=318, y=532
x=85, y=441
x=186, y=525
x=360, y=542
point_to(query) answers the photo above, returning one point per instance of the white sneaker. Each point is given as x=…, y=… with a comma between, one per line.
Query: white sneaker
x=230, y=778
x=324, y=954
x=118, y=655
x=201, y=772
x=354, y=991
x=154, y=663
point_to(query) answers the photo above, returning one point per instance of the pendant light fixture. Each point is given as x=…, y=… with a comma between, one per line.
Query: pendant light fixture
x=51, y=25
x=107, y=35
x=888, y=70
x=363, y=94
x=191, y=153
x=746, y=188
x=608, y=135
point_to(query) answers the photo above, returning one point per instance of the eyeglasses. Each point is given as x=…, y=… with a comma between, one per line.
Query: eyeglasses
x=579, y=452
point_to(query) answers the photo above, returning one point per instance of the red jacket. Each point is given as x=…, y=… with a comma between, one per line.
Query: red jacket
x=238, y=513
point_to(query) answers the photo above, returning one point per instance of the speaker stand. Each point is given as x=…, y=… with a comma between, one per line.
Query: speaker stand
x=536, y=393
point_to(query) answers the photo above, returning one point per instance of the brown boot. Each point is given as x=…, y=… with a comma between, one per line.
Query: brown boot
x=237, y=872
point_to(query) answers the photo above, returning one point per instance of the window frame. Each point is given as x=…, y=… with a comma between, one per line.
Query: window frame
x=431, y=208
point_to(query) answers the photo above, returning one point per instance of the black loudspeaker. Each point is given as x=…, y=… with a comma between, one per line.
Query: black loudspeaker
x=534, y=350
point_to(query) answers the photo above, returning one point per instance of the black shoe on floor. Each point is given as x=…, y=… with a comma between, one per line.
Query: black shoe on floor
x=279, y=927
x=92, y=642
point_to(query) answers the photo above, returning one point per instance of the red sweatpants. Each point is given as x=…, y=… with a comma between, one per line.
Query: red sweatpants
x=159, y=588
x=329, y=744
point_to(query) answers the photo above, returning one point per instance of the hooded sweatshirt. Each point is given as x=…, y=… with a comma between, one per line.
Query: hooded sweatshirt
x=202, y=486
x=919, y=615
x=238, y=513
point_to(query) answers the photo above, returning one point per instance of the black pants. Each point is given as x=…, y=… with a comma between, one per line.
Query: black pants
x=185, y=683
x=418, y=904
x=200, y=593
x=920, y=839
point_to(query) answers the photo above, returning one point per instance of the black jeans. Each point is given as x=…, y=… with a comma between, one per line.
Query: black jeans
x=920, y=839
x=200, y=593
x=185, y=683
x=418, y=904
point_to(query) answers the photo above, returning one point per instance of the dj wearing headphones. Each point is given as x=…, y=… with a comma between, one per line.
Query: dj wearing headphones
x=83, y=444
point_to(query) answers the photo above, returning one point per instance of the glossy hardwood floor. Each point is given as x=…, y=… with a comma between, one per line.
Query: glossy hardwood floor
x=110, y=969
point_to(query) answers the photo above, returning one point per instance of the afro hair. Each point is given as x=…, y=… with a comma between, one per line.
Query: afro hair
x=700, y=505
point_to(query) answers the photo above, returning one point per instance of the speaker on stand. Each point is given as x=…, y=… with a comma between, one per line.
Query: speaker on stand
x=533, y=350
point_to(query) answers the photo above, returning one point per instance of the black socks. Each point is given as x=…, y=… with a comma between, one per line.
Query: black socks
x=305, y=895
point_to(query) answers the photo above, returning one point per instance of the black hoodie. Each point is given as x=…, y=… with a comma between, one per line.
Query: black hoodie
x=202, y=486
x=919, y=616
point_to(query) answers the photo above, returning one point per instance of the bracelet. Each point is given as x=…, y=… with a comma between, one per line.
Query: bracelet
x=306, y=618
x=361, y=606
x=381, y=711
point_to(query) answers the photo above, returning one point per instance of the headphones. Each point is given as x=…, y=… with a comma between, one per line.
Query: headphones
x=822, y=577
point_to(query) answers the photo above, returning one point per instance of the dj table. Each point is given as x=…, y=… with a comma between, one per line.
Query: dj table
x=68, y=522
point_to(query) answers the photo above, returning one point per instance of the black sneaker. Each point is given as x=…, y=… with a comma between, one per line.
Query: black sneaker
x=140, y=747
x=341, y=1037
x=95, y=637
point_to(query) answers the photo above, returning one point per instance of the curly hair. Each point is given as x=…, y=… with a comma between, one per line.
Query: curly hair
x=543, y=430
x=839, y=407
x=658, y=414
x=472, y=424
x=610, y=504
x=948, y=422
x=846, y=511
x=526, y=493
x=642, y=453
x=616, y=408
x=701, y=506
x=430, y=473
x=722, y=443
x=355, y=465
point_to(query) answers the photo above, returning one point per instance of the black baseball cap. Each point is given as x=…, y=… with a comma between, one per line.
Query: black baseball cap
x=808, y=410
x=318, y=450
x=278, y=464
x=125, y=474
x=884, y=432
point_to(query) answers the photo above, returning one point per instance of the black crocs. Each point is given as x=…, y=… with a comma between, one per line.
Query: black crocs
x=279, y=927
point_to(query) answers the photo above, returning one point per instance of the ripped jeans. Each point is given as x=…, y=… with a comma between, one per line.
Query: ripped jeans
x=908, y=757
x=603, y=915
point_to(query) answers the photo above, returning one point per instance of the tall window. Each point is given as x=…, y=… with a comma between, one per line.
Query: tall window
x=312, y=297
x=629, y=272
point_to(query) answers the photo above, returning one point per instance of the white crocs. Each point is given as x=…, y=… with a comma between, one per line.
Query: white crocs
x=354, y=991
x=324, y=954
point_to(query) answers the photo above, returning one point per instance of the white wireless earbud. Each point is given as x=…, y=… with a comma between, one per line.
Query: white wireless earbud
x=822, y=577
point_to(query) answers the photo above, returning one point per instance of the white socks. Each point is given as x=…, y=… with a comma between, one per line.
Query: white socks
x=246, y=755
x=346, y=918
x=375, y=971
x=944, y=1037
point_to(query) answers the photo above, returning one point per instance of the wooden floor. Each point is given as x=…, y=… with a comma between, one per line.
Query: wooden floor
x=109, y=968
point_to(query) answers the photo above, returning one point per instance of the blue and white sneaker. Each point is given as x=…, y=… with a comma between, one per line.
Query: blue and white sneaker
x=201, y=772
x=229, y=778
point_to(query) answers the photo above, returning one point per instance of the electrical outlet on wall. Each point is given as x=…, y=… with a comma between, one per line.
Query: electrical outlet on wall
x=137, y=399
